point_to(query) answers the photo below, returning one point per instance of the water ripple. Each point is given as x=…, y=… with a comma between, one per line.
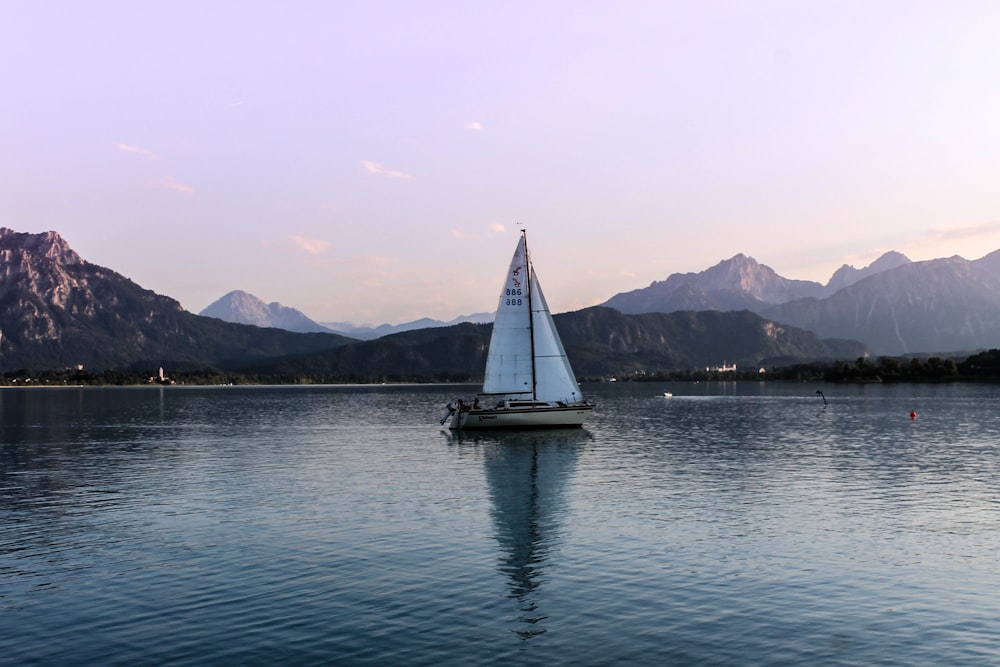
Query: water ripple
x=728, y=524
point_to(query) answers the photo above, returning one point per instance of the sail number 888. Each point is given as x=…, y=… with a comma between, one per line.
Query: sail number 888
x=512, y=294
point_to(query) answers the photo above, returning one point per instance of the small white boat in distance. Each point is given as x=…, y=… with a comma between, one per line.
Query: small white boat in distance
x=528, y=380
x=667, y=394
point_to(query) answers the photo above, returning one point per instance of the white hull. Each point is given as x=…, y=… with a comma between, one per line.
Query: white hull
x=534, y=417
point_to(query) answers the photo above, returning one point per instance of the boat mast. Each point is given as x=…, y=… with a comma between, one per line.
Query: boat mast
x=531, y=315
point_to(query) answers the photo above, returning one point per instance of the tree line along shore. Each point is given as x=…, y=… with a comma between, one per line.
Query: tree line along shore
x=980, y=367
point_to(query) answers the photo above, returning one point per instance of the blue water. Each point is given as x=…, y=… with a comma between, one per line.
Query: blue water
x=729, y=524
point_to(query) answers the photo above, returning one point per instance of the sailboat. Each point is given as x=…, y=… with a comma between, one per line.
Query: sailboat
x=528, y=380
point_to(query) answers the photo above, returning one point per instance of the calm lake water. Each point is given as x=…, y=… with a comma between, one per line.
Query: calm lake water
x=730, y=524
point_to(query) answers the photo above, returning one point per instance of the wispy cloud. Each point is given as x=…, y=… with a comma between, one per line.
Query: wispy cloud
x=135, y=150
x=931, y=243
x=311, y=246
x=498, y=228
x=967, y=241
x=379, y=260
x=377, y=270
x=475, y=126
x=966, y=232
x=379, y=170
x=171, y=183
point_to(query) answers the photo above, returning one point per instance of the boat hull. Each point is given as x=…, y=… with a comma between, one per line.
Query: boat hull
x=570, y=416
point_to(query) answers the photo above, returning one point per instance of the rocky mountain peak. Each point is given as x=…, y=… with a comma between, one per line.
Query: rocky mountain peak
x=847, y=275
x=244, y=308
x=742, y=273
x=42, y=265
x=738, y=283
x=746, y=275
x=48, y=245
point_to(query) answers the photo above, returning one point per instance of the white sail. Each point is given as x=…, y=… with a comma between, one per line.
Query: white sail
x=554, y=379
x=508, y=364
x=518, y=333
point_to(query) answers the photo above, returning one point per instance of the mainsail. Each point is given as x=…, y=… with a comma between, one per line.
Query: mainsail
x=526, y=357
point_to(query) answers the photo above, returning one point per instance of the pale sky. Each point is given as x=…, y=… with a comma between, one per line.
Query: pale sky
x=371, y=161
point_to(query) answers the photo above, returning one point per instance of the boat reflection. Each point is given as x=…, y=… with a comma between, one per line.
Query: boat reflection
x=527, y=473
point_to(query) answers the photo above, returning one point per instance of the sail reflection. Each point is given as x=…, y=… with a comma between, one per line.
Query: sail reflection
x=527, y=473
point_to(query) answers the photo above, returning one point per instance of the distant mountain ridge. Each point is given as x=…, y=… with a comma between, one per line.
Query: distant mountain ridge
x=847, y=275
x=914, y=314
x=58, y=310
x=894, y=305
x=242, y=308
x=599, y=342
x=365, y=332
x=738, y=283
x=746, y=275
x=939, y=305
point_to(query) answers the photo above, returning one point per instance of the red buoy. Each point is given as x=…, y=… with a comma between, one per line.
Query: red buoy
x=913, y=414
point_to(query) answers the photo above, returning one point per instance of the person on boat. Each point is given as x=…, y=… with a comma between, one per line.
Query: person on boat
x=475, y=404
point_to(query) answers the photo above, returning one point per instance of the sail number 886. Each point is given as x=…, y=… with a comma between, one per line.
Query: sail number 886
x=512, y=294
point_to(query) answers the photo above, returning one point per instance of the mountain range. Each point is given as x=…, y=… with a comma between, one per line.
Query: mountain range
x=242, y=308
x=60, y=311
x=57, y=310
x=894, y=306
x=599, y=342
x=365, y=332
